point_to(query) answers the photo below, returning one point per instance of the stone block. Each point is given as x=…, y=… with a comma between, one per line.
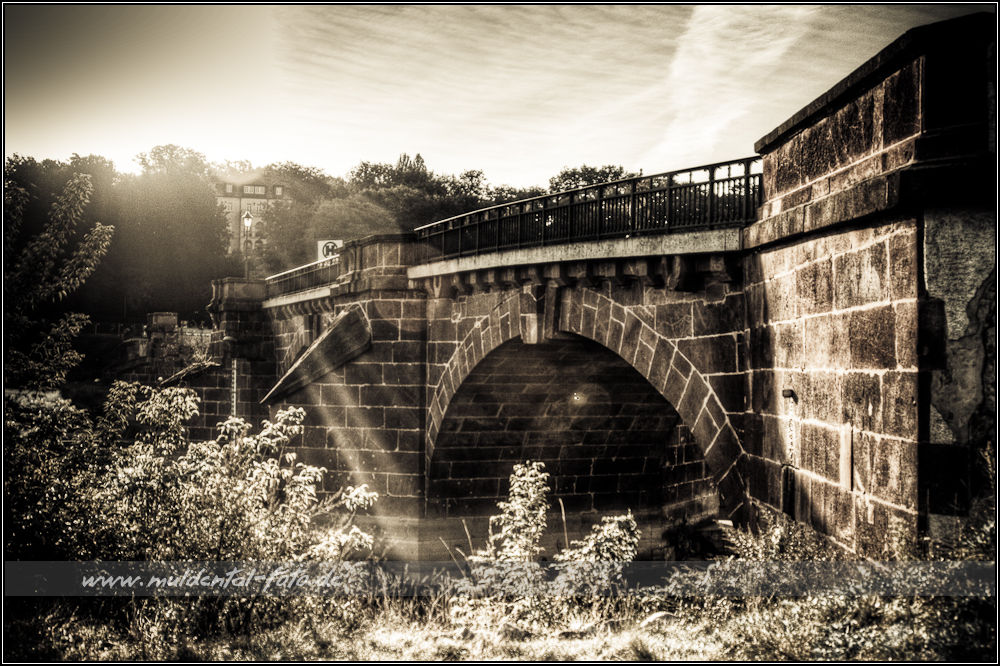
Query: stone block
x=901, y=105
x=788, y=344
x=710, y=355
x=839, y=510
x=826, y=342
x=723, y=452
x=732, y=488
x=643, y=357
x=379, y=309
x=409, y=440
x=871, y=528
x=363, y=373
x=660, y=365
x=780, y=297
x=757, y=312
x=630, y=337
x=705, y=431
x=389, y=396
x=406, y=418
x=365, y=417
x=821, y=396
x=674, y=320
x=803, y=497
x=899, y=404
x=325, y=394
x=861, y=277
x=906, y=327
x=903, y=265
x=862, y=400
x=894, y=472
x=404, y=485
x=819, y=448
x=615, y=332
x=692, y=400
x=761, y=347
x=721, y=317
x=872, y=336
x=814, y=285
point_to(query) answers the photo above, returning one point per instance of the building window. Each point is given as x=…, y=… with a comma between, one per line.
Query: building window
x=229, y=188
x=278, y=190
x=253, y=189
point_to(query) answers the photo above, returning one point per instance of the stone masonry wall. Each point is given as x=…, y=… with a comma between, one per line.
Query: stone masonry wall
x=364, y=420
x=870, y=281
x=834, y=320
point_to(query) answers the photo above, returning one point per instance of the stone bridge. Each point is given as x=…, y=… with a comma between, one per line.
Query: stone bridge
x=812, y=329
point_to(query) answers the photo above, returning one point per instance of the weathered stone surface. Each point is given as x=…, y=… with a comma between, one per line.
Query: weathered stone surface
x=872, y=335
x=710, y=354
x=903, y=265
x=862, y=398
x=899, y=403
x=906, y=329
x=861, y=277
x=814, y=283
x=346, y=338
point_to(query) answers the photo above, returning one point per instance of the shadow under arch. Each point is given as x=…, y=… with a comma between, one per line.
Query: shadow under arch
x=608, y=439
x=679, y=381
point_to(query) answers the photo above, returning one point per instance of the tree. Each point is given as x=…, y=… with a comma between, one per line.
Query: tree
x=507, y=193
x=350, y=218
x=173, y=159
x=571, y=179
x=177, y=233
x=40, y=271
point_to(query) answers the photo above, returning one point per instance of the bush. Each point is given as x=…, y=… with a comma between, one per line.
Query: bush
x=132, y=487
x=507, y=589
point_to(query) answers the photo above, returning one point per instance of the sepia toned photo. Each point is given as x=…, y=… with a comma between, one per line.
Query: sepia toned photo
x=396, y=332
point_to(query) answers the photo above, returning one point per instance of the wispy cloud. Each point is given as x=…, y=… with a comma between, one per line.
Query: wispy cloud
x=516, y=90
x=726, y=56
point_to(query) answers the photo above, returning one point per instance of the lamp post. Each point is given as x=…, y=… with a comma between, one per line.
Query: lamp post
x=247, y=244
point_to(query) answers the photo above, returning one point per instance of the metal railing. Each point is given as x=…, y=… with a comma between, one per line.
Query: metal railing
x=724, y=194
x=316, y=274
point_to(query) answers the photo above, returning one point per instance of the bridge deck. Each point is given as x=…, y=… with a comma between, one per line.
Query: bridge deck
x=698, y=209
x=725, y=194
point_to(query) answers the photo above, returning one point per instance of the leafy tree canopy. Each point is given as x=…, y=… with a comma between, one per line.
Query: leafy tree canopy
x=584, y=175
x=40, y=270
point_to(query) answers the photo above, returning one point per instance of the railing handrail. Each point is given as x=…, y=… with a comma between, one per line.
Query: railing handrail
x=703, y=167
x=302, y=268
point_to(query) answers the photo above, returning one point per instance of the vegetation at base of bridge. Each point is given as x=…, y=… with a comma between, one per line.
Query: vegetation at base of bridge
x=129, y=486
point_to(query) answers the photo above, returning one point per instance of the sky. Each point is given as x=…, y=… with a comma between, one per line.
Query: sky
x=518, y=91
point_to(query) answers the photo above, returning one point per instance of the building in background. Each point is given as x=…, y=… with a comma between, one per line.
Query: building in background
x=242, y=194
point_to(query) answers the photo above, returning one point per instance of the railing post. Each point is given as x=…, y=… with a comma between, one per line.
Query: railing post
x=669, y=207
x=746, y=191
x=570, y=222
x=711, y=194
x=545, y=220
x=518, y=226
x=477, y=238
x=631, y=208
x=600, y=211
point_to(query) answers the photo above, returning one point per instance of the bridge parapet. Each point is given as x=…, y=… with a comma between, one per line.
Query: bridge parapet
x=724, y=194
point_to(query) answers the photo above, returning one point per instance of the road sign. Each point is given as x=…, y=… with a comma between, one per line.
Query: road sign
x=326, y=249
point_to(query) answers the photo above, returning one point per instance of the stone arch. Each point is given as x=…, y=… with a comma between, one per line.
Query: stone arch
x=503, y=323
x=632, y=336
x=608, y=439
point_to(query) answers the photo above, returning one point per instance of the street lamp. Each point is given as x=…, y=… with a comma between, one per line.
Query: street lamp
x=247, y=244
